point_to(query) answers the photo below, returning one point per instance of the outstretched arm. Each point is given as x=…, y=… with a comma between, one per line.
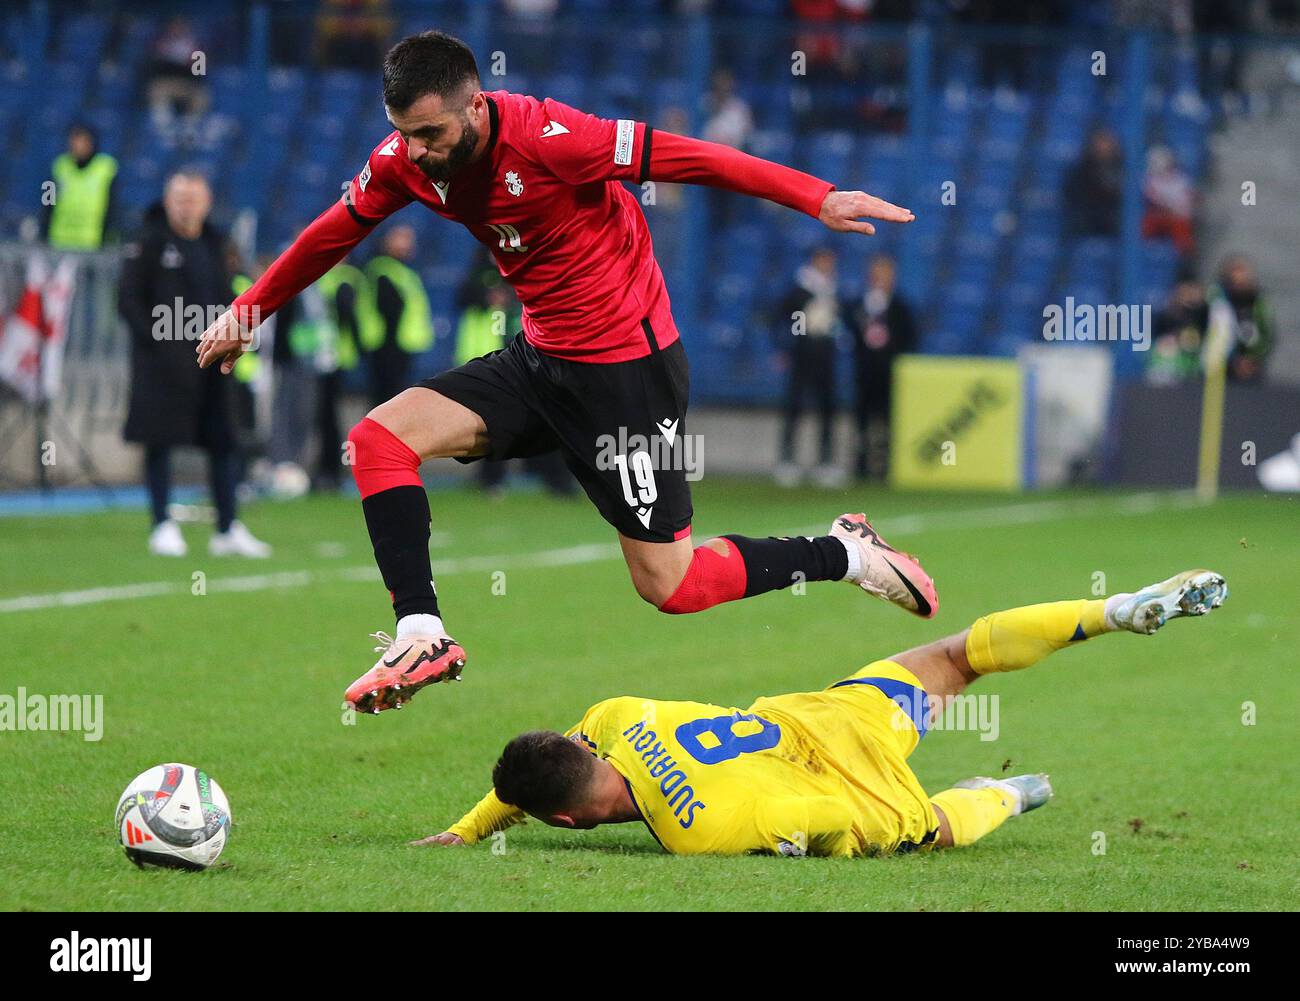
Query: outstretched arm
x=318, y=248
x=588, y=149
x=488, y=816
x=379, y=190
x=695, y=161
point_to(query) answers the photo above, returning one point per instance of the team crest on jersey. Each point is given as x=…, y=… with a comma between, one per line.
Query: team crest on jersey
x=514, y=184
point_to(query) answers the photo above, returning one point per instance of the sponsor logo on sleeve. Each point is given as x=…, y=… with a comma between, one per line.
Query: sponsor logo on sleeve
x=623, y=142
x=364, y=178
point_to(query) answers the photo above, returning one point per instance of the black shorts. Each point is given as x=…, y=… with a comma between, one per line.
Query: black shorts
x=621, y=427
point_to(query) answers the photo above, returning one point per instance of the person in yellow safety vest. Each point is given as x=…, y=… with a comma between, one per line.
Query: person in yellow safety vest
x=400, y=323
x=250, y=362
x=302, y=350
x=80, y=213
x=491, y=316
x=348, y=302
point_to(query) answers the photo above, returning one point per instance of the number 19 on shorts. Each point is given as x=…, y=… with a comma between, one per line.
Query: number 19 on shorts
x=637, y=467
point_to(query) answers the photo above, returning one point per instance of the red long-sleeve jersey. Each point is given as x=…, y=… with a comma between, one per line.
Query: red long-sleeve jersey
x=546, y=198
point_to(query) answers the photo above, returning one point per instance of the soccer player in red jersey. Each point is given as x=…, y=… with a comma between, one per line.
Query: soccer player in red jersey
x=598, y=361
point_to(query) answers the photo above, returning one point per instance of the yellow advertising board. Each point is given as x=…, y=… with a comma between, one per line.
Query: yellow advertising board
x=958, y=423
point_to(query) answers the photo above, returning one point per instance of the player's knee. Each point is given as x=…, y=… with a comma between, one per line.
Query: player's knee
x=657, y=583
x=359, y=438
x=379, y=459
x=365, y=438
x=655, y=588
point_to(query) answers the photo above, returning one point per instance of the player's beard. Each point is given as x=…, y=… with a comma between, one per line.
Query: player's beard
x=460, y=155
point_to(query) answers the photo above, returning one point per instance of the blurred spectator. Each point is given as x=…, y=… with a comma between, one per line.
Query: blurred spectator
x=1093, y=187
x=490, y=315
x=729, y=120
x=882, y=327
x=1007, y=63
x=302, y=347
x=1180, y=333
x=810, y=323
x=346, y=293
x=177, y=264
x=821, y=43
x=353, y=34
x=489, y=311
x=817, y=37
x=83, y=211
x=1239, y=307
x=1170, y=201
x=402, y=324
x=173, y=87
x=672, y=119
x=1221, y=58
x=247, y=368
x=731, y=123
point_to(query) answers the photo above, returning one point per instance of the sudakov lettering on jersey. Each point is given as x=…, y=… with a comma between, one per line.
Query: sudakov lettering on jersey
x=673, y=782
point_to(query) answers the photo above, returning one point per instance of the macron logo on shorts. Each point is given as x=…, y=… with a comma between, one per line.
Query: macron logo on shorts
x=623, y=142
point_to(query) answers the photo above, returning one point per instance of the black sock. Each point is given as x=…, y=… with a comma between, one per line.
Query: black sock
x=398, y=520
x=771, y=564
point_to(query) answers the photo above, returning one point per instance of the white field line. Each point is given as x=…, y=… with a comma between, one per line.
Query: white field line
x=907, y=524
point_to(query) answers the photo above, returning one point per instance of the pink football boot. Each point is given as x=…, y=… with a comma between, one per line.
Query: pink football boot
x=886, y=572
x=404, y=667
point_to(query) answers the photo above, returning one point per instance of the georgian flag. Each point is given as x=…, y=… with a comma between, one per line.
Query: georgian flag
x=33, y=334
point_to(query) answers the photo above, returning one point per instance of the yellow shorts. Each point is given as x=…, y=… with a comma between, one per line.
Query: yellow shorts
x=866, y=726
x=884, y=681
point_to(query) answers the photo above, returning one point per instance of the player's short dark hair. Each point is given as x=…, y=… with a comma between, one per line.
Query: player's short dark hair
x=431, y=62
x=543, y=773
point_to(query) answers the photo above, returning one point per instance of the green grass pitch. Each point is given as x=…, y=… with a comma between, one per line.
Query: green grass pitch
x=1143, y=736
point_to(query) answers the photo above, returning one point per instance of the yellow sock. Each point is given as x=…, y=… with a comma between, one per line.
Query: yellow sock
x=1019, y=637
x=973, y=813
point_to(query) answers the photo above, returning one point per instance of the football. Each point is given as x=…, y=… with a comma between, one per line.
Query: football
x=174, y=816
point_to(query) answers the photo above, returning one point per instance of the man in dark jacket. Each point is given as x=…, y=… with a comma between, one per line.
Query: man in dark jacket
x=1094, y=187
x=174, y=279
x=882, y=328
x=810, y=324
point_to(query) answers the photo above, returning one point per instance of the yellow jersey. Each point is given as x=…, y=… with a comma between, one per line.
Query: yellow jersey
x=811, y=773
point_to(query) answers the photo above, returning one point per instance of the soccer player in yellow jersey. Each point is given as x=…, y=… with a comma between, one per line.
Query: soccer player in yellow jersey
x=814, y=773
